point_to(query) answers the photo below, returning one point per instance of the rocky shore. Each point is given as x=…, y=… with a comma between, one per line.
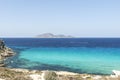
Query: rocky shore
x=4, y=53
x=25, y=74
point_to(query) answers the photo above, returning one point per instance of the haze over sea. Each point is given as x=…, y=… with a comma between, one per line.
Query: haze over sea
x=81, y=55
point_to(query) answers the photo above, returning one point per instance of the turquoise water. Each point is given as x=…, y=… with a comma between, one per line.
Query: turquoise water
x=81, y=55
x=85, y=60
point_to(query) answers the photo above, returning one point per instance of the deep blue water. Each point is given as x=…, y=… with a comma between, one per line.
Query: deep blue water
x=82, y=55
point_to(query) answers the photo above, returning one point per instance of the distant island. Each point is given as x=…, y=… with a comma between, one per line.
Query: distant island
x=50, y=35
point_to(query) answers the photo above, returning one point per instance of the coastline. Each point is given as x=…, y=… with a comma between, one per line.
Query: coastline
x=25, y=74
x=5, y=52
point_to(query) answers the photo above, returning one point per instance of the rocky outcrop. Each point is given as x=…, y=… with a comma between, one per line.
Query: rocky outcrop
x=2, y=44
x=4, y=53
x=50, y=35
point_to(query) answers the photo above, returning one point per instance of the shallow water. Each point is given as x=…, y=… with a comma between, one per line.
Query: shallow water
x=95, y=56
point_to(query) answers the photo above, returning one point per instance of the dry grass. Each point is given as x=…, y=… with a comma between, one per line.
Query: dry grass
x=12, y=75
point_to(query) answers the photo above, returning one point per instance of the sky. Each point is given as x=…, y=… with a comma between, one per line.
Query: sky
x=80, y=18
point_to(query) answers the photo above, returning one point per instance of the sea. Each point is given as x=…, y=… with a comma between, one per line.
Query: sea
x=79, y=55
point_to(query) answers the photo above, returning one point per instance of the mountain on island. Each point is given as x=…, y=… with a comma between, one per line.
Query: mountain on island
x=50, y=35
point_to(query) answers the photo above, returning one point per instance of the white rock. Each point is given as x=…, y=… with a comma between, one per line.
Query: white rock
x=36, y=77
x=2, y=79
x=97, y=77
x=115, y=73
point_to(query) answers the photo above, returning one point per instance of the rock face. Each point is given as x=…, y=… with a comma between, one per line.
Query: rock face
x=50, y=35
x=4, y=52
x=2, y=45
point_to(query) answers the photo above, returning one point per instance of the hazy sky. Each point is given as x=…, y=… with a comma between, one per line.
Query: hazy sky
x=83, y=18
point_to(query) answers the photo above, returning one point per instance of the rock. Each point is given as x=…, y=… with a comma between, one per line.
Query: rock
x=2, y=44
x=4, y=52
x=115, y=73
x=2, y=65
x=0, y=57
x=1, y=62
x=49, y=75
x=2, y=79
x=97, y=77
x=21, y=70
x=7, y=52
x=35, y=76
